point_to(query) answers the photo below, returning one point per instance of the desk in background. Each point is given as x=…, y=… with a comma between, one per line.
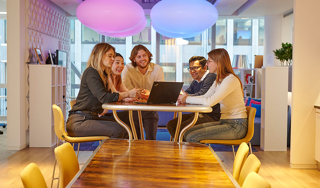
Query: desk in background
x=179, y=108
x=146, y=163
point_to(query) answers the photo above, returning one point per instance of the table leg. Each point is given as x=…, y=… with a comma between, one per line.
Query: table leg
x=195, y=118
x=115, y=115
x=178, y=127
x=174, y=116
x=141, y=125
x=132, y=125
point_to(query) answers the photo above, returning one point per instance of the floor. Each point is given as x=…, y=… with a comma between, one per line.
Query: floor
x=275, y=166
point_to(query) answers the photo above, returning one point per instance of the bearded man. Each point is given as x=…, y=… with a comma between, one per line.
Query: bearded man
x=141, y=73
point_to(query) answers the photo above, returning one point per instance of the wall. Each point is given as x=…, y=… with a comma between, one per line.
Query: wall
x=31, y=24
x=305, y=83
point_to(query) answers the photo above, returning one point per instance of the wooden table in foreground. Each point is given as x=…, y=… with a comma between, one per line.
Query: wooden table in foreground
x=177, y=108
x=144, y=164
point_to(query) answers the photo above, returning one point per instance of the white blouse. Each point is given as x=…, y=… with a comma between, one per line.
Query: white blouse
x=228, y=94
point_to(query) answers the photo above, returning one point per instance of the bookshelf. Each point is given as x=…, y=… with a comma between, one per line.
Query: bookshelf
x=251, y=87
x=47, y=86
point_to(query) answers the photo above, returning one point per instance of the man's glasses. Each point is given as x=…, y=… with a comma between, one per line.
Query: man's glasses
x=194, y=68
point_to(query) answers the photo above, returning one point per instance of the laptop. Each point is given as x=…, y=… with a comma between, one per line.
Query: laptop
x=164, y=93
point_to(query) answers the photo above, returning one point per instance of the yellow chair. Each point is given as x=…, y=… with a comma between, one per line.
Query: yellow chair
x=251, y=113
x=59, y=128
x=252, y=164
x=239, y=160
x=32, y=177
x=72, y=102
x=254, y=180
x=67, y=162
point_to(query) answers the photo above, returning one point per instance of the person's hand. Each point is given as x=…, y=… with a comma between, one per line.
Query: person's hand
x=182, y=97
x=145, y=94
x=129, y=99
x=103, y=113
x=134, y=93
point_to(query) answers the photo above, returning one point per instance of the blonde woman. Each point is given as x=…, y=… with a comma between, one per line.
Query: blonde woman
x=96, y=89
x=226, y=90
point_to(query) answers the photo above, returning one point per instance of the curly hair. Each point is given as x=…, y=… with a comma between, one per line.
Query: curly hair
x=134, y=53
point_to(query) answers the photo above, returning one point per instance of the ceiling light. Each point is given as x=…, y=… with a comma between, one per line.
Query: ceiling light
x=112, y=16
x=3, y=12
x=183, y=18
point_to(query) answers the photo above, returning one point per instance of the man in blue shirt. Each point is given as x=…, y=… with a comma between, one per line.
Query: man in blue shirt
x=202, y=81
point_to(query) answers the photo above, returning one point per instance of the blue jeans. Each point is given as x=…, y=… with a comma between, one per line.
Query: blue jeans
x=226, y=129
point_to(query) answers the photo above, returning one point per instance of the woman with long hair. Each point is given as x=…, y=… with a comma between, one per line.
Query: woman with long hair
x=96, y=89
x=226, y=90
x=116, y=70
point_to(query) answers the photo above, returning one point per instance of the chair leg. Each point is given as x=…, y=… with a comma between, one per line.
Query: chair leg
x=78, y=150
x=250, y=147
x=234, y=155
x=170, y=138
x=54, y=167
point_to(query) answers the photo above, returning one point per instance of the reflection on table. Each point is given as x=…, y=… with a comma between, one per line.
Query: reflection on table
x=120, y=163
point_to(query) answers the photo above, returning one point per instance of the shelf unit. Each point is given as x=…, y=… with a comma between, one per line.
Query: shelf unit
x=47, y=87
x=249, y=88
x=274, y=108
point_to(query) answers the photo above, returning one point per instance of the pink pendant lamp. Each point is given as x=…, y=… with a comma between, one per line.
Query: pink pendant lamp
x=117, y=18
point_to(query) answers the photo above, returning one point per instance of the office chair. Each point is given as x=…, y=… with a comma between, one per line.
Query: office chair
x=254, y=180
x=252, y=164
x=239, y=160
x=32, y=177
x=59, y=128
x=67, y=162
x=251, y=113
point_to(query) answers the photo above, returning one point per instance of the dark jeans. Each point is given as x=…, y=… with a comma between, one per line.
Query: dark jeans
x=80, y=125
x=150, y=124
x=186, y=120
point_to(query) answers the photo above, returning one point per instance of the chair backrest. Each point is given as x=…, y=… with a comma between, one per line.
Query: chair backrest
x=67, y=162
x=59, y=127
x=251, y=114
x=254, y=180
x=32, y=177
x=252, y=164
x=72, y=102
x=239, y=160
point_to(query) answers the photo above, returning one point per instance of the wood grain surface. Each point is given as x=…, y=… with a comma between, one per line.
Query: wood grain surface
x=120, y=163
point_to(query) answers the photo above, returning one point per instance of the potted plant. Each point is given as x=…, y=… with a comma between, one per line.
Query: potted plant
x=284, y=54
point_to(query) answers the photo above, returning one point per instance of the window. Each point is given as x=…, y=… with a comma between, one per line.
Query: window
x=261, y=32
x=144, y=37
x=89, y=36
x=242, y=32
x=221, y=32
x=3, y=67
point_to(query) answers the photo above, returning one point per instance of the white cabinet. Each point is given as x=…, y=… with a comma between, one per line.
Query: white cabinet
x=250, y=86
x=47, y=86
x=274, y=108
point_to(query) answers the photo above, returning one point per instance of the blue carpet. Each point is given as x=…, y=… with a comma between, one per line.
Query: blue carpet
x=162, y=135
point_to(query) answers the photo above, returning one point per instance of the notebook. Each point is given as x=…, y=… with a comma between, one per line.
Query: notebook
x=164, y=93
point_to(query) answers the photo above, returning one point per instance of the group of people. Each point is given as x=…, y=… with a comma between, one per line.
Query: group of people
x=101, y=82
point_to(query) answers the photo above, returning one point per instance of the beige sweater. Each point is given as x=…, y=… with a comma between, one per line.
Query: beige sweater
x=228, y=94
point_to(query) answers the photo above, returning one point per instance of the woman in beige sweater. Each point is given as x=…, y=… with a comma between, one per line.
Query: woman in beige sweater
x=226, y=90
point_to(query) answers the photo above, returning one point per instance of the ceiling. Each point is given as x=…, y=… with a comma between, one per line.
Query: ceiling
x=226, y=8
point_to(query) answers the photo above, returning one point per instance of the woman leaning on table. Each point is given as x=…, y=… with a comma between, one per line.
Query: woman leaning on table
x=96, y=89
x=226, y=90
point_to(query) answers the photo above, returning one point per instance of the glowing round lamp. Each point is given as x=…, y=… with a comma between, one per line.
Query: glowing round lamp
x=183, y=18
x=175, y=35
x=130, y=32
x=110, y=15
